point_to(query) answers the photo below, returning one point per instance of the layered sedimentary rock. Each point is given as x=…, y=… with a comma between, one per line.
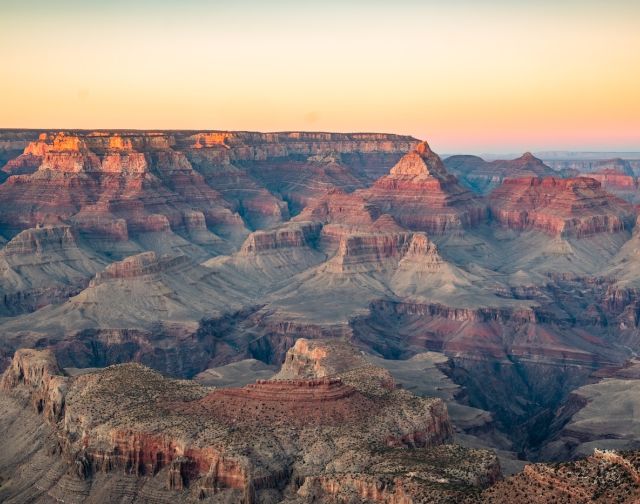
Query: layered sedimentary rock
x=144, y=308
x=483, y=176
x=619, y=180
x=115, y=184
x=270, y=258
x=612, y=179
x=189, y=443
x=292, y=236
x=319, y=359
x=517, y=331
x=177, y=250
x=112, y=186
x=577, y=207
x=297, y=166
x=259, y=207
x=598, y=415
x=42, y=266
x=39, y=373
x=422, y=196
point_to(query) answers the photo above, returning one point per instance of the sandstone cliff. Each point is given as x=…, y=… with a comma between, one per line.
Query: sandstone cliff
x=578, y=207
x=422, y=196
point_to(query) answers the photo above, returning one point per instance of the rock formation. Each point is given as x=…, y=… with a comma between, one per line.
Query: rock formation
x=304, y=439
x=422, y=196
x=113, y=186
x=197, y=252
x=483, y=176
x=578, y=207
x=43, y=266
x=605, y=476
x=618, y=179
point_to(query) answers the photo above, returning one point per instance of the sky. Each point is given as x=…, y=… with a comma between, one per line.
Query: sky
x=472, y=76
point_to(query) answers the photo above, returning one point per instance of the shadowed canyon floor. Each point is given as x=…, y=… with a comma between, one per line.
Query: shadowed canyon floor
x=506, y=293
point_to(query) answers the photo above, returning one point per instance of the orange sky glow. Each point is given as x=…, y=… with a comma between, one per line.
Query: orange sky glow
x=469, y=76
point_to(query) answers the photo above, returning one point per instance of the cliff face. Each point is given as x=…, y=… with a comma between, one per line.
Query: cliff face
x=618, y=179
x=186, y=250
x=39, y=374
x=293, y=236
x=115, y=184
x=111, y=186
x=245, y=146
x=577, y=207
x=43, y=266
x=422, y=196
x=594, y=165
x=196, y=442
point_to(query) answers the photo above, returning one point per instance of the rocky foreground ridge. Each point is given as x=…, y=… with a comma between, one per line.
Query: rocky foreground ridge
x=310, y=437
x=329, y=427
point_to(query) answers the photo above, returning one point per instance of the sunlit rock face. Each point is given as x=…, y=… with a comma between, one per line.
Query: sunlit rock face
x=422, y=196
x=577, y=206
x=114, y=185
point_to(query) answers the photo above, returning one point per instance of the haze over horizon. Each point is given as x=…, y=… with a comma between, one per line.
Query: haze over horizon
x=488, y=76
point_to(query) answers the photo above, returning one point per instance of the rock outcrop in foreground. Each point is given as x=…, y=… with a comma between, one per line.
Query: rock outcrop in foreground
x=349, y=436
x=576, y=207
x=605, y=477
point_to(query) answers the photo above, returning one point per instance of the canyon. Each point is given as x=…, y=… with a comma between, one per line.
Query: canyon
x=313, y=317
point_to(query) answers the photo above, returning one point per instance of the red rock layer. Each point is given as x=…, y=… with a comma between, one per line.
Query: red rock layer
x=131, y=418
x=296, y=166
x=577, y=207
x=246, y=146
x=104, y=186
x=422, y=196
x=113, y=184
x=257, y=205
x=338, y=207
x=287, y=402
x=489, y=333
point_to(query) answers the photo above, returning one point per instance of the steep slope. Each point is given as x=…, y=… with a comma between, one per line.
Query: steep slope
x=618, y=179
x=114, y=186
x=299, y=166
x=137, y=292
x=422, y=196
x=43, y=266
x=144, y=308
x=270, y=258
x=578, y=206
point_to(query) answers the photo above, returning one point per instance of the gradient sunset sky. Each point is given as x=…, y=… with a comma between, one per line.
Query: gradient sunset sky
x=467, y=75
